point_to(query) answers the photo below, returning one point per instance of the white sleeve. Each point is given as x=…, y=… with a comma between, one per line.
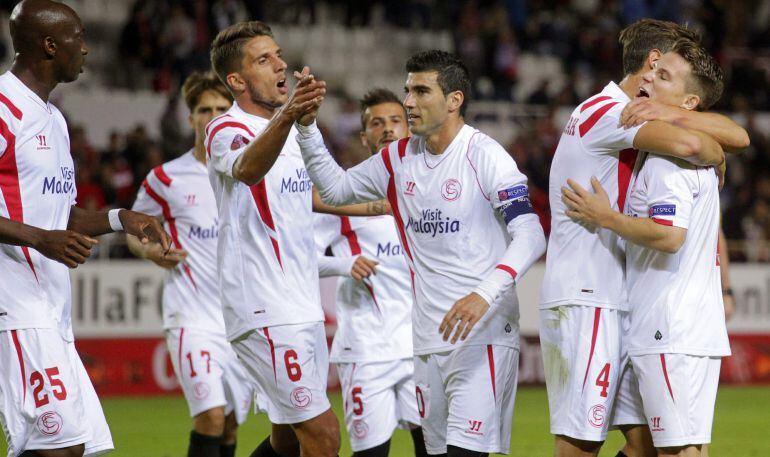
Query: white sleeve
x=335, y=266
x=671, y=190
x=147, y=198
x=326, y=230
x=506, y=188
x=599, y=128
x=225, y=142
x=367, y=181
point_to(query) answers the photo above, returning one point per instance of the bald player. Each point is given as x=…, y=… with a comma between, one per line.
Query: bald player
x=48, y=407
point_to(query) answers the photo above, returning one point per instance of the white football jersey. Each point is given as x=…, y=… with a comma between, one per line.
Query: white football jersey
x=453, y=212
x=374, y=317
x=584, y=265
x=675, y=300
x=37, y=187
x=180, y=193
x=266, y=259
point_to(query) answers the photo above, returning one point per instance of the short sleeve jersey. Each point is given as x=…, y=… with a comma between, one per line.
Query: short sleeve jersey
x=374, y=317
x=675, y=299
x=452, y=212
x=584, y=265
x=179, y=192
x=37, y=187
x=266, y=256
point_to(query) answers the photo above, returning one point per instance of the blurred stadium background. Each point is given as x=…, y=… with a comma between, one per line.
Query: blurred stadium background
x=531, y=61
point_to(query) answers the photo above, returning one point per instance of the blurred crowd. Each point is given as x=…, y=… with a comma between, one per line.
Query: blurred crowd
x=168, y=39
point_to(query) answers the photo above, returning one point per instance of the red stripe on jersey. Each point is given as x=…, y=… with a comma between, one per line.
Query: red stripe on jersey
x=171, y=226
x=507, y=269
x=17, y=345
x=591, y=103
x=223, y=125
x=259, y=193
x=665, y=375
x=11, y=107
x=9, y=185
x=589, y=123
x=626, y=162
x=161, y=175
x=213, y=121
x=350, y=234
x=272, y=352
x=667, y=223
x=593, y=343
x=491, y=358
x=179, y=351
x=402, y=147
x=393, y=199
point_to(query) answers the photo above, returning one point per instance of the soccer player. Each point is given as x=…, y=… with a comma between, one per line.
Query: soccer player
x=583, y=294
x=468, y=231
x=215, y=384
x=48, y=406
x=677, y=332
x=372, y=347
x=266, y=260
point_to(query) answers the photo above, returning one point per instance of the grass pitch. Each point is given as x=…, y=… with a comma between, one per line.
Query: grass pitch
x=159, y=427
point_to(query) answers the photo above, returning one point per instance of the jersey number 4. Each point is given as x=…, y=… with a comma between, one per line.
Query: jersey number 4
x=38, y=384
x=603, y=380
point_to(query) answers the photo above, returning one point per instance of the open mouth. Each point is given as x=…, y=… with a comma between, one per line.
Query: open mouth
x=643, y=93
x=282, y=88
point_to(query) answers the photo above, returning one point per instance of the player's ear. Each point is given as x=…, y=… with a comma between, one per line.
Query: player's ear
x=691, y=102
x=455, y=100
x=364, y=140
x=49, y=46
x=236, y=82
x=652, y=57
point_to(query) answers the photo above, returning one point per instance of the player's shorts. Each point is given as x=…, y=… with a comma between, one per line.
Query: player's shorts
x=47, y=400
x=678, y=393
x=582, y=359
x=290, y=364
x=465, y=398
x=209, y=372
x=628, y=408
x=378, y=397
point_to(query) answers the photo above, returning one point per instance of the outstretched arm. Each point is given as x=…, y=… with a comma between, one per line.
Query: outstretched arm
x=95, y=223
x=731, y=136
x=667, y=139
x=64, y=246
x=375, y=208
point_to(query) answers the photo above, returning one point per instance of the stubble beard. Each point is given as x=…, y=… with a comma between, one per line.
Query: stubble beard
x=257, y=99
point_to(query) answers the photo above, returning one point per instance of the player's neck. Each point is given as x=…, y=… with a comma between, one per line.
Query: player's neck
x=256, y=109
x=630, y=85
x=438, y=141
x=199, y=151
x=37, y=78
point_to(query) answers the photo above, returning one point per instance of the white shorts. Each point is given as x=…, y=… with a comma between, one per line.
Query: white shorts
x=47, y=400
x=209, y=372
x=378, y=397
x=582, y=359
x=465, y=397
x=678, y=393
x=290, y=364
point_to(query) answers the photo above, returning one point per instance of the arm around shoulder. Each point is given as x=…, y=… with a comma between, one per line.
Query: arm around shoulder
x=667, y=139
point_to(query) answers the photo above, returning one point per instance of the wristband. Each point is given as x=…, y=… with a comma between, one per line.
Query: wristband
x=114, y=218
x=728, y=291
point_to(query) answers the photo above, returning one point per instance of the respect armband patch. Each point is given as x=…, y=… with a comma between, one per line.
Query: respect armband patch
x=513, y=209
x=513, y=193
x=662, y=210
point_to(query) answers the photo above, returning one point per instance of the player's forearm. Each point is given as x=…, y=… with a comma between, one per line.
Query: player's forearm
x=18, y=234
x=526, y=247
x=376, y=208
x=731, y=136
x=88, y=222
x=667, y=139
x=645, y=232
x=259, y=156
x=330, y=179
x=334, y=266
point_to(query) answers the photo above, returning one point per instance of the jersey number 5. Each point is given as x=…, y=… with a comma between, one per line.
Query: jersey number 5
x=38, y=384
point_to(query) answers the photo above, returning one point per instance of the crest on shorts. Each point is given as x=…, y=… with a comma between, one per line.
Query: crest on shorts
x=201, y=390
x=49, y=423
x=301, y=397
x=360, y=429
x=596, y=415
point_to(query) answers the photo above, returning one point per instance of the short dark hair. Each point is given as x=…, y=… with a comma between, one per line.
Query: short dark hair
x=706, y=77
x=227, y=47
x=198, y=83
x=375, y=97
x=452, y=73
x=644, y=35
